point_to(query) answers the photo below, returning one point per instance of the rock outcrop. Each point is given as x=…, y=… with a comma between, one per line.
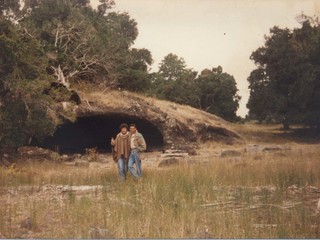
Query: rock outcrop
x=179, y=124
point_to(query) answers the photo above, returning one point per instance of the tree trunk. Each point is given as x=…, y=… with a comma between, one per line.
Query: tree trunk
x=285, y=124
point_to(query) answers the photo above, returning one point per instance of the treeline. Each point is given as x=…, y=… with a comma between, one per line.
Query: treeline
x=51, y=48
x=212, y=90
x=285, y=86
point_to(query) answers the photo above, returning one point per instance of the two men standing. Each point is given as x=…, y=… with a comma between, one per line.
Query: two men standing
x=126, y=151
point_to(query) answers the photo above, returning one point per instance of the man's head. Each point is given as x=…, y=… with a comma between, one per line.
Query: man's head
x=133, y=128
x=124, y=128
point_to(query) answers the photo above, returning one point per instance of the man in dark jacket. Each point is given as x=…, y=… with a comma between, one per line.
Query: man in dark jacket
x=121, y=150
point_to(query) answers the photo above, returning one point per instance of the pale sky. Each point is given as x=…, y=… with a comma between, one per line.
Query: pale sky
x=208, y=33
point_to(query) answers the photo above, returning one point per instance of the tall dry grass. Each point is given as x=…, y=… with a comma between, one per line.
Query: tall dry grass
x=267, y=198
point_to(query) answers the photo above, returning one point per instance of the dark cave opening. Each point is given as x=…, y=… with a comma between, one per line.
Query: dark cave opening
x=97, y=131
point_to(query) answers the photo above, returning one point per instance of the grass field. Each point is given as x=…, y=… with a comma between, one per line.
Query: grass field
x=259, y=195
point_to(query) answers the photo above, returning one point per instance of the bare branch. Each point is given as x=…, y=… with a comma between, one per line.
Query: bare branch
x=60, y=76
x=28, y=110
x=57, y=36
x=26, y=31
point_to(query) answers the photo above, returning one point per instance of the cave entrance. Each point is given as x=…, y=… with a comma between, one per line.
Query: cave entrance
x=97, y=131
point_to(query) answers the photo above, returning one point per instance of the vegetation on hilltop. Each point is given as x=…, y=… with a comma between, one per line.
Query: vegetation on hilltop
x=50, y=47
x=213, y=91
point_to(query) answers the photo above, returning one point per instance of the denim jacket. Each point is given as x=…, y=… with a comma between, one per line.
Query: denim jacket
x=139, y=142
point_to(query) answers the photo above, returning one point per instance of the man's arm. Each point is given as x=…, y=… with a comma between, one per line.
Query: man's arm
x=113, y=142
x=142, y=144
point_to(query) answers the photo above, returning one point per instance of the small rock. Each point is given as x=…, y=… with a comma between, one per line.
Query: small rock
x=230, y=153
x=98, y=233
x=35, y=153
x=26, y=223
x=69, y=163
x=204, y=235
x=192, y=152
x=171, y=122
x=192, y=161
x=170, y=151
x=104, y=158
x=314, y=189
x=318, y=205
x=293, y=187
x=80, y=189
x=271, y=149
x=257, y=158
x=190, y=149
x=68, y=158
x=66, y=105
x=169, y=162
x=275, y=148
x=234, y=159
x=177, y=155
x=280, y=154
x=254, y=148
x=5, y=163
x=82, y=164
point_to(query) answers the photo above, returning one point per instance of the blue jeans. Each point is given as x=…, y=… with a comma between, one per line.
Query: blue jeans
x=135, y=159
x=122, y=168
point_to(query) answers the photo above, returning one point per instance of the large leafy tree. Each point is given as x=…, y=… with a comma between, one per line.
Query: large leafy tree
x=24, y=109
x=213, y=90
x=285, y=85
x=174, y=81
x=173, y=67
x=134, y=73
x=218, y=93
x=82, y=44
x=306, y=88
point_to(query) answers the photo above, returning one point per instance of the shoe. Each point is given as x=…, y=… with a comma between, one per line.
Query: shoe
x=138, y=179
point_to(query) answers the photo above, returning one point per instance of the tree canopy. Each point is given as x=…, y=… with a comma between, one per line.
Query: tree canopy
x=285, y=86
x=51, y=48
x=213, y=90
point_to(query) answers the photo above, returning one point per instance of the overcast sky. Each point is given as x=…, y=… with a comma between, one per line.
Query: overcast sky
x=208, y=33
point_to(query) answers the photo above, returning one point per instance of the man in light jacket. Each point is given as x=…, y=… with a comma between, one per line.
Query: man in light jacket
x=137, y=145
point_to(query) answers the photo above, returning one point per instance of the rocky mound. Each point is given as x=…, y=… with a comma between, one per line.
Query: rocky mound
x=179, y=124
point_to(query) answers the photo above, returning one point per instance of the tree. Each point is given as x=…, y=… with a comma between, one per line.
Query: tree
x=82, y=44
x=212, y=91
x=285, y=85
x=306, y=88
x=174, y=81
x=218, y=93
x=135, y=71
x=259, y=104
x=172, y=67
x=24, y=109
